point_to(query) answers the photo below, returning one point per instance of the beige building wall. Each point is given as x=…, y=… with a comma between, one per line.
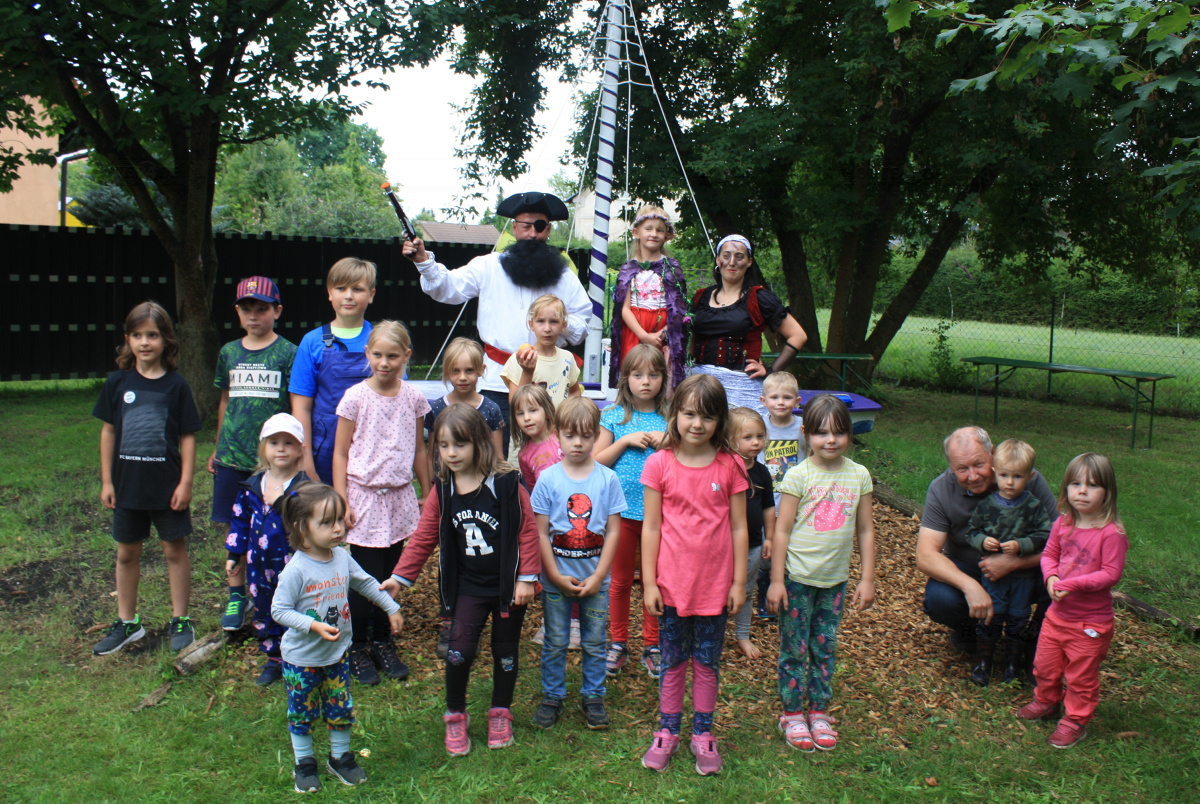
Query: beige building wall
x=34, y=197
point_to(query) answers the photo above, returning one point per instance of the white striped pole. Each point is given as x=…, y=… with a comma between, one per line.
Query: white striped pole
x=604, y=172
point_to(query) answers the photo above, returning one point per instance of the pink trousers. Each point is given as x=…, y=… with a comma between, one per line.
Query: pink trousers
x=1065, y=649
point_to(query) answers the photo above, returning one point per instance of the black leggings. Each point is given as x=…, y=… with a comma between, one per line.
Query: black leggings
x=470, y=615
x=370, y=623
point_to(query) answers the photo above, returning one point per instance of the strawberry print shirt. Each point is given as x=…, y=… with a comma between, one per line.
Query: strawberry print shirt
x=822, y=537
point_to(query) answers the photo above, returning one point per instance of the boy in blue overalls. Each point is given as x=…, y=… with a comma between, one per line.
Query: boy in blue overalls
x=330, y=359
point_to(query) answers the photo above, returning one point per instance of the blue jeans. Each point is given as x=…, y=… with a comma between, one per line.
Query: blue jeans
x=946, y=605
x=593, y=623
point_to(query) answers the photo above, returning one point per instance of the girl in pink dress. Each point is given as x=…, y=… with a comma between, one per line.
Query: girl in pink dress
x=694, y=547
x=378, y=451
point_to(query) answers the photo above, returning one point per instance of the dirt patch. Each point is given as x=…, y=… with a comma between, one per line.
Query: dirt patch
x=29, y=583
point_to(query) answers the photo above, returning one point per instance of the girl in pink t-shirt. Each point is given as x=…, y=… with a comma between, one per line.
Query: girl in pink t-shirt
x=694, y=546
x=533, y=432
x=378, y=450
x=1082, y=562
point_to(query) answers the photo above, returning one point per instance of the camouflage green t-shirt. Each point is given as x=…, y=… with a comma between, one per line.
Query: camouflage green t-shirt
x=257, y=381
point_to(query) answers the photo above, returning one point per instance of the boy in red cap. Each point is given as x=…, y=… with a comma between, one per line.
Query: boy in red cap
x=252, y=373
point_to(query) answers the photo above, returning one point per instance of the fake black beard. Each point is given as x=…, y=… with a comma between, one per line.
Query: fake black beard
x=533, y=264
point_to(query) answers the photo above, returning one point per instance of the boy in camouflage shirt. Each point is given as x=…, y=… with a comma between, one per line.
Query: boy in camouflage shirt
x=1012, y=521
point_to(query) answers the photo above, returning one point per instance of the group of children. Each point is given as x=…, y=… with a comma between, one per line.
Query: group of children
x=668, y=472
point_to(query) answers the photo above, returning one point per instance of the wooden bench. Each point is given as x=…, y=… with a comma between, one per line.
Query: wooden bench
x=1128, y=384
x=830, y=361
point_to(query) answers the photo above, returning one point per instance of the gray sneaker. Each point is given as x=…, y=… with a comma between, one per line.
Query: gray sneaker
x=547, y=713
x=182, y=633
x=346, y=769
x=305, y=774
x=120, y=635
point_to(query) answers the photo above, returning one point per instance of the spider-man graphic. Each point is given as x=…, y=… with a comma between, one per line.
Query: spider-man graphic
x=579, y=540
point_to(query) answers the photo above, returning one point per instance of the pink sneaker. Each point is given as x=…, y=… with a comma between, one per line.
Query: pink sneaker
x=458, y=744
x=704, y=748
x=1036, y=710
x=499, y=728
x=1067, y=734
x=796, y=733
x=823, y=734
x=658, y=756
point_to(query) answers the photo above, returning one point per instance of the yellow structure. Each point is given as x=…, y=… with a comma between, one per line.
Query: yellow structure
x=34, y=197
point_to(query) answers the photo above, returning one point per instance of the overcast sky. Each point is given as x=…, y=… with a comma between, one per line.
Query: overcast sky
x=421, y=130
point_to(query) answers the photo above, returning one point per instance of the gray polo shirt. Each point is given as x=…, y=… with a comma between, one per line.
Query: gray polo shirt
x=948, y=508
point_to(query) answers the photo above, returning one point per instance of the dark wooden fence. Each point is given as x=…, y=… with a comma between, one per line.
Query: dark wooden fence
x=68, y=291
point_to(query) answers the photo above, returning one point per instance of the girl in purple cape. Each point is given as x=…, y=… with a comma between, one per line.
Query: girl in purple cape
x=652, y=298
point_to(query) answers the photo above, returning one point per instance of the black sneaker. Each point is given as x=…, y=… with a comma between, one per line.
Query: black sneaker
x=346, y=769
x=443, y=646
x=237, y=610
x=362, y=668
x=182, y=633
x=547, y=713
x=305, y=774
x=272, y=671
x=594, y=712
x=384, y=654
x=120, y=635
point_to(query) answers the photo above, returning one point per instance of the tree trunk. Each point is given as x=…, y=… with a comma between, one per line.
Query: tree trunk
x=947, y=234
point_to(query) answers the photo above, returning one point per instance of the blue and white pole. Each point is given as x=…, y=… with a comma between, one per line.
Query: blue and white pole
x=604, y=173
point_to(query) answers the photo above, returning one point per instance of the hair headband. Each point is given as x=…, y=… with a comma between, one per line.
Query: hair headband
x=736, y=238
x=655, y=216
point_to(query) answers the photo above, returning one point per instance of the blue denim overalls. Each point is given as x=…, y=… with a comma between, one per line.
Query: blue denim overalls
x=339, y=370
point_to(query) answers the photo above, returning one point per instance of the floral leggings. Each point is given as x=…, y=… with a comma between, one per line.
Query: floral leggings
x=808, y=633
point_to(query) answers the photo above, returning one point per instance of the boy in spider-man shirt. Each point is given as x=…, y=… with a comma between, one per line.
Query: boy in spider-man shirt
x=578, y=504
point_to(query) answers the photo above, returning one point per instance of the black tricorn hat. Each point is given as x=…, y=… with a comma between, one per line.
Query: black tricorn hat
x=549, y=205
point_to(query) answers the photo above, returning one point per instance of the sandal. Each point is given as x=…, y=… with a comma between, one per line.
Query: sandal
x=823, y=734
x=796, y=733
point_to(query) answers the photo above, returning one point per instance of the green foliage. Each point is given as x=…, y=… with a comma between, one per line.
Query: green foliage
x=948, y=374
x=1138, y=51
x=273, y=187
x=324, y=146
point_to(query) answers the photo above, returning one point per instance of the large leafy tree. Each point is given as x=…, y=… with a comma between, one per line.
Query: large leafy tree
x=1141, y=52
x=810, y=124
x=157, y=88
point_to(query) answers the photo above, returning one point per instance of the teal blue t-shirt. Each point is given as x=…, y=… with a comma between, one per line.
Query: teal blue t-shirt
x=629, y=466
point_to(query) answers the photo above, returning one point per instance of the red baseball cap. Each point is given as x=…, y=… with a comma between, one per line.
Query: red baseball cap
x=258, y=287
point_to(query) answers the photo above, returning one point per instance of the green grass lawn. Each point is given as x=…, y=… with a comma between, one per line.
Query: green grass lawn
x=912, y=729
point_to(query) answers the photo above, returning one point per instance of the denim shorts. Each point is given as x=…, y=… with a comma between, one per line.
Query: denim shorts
x=227, y=482
x=131, y=526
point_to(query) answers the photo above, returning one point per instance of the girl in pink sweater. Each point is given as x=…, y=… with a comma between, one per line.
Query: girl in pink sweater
x=1082, y=562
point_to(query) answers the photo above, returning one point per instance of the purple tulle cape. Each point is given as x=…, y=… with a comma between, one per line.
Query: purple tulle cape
x=677, y=316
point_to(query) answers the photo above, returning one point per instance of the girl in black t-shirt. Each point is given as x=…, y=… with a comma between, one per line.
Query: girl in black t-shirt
x=147, y=459
x=479, y=516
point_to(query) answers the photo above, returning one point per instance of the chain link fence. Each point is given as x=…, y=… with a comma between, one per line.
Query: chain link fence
x=928, y=350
